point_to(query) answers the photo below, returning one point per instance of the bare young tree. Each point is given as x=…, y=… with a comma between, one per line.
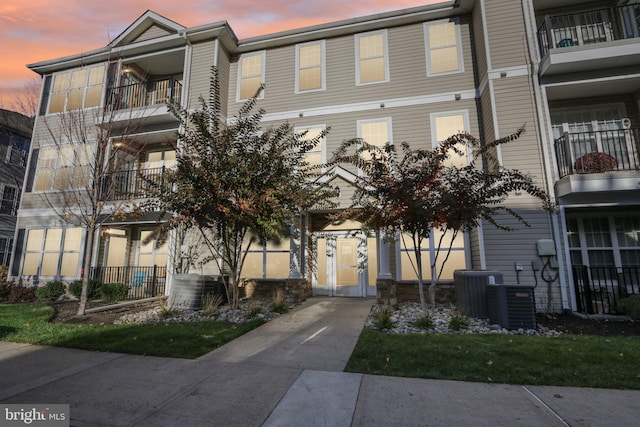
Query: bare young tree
x=89, y=147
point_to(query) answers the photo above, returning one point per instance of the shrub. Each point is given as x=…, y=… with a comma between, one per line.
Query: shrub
x=22, y=294
x=51, y=291
x=382, y=318
x=75, y=288
x=279, y=306
x=5, y=289
x=113, y=292
x=424, y=322
x=254, y=309
x=630, y=306
x=595, y=163
x=211, y=302
x=458, y=322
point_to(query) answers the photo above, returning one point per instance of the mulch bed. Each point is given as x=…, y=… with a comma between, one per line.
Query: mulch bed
x=572, y=324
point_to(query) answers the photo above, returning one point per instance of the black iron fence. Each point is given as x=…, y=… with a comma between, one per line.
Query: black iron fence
x=598, y=289
x=143, y=282
x=144, y=94
x=598, y=151
x=134, y=183
x=589, y=27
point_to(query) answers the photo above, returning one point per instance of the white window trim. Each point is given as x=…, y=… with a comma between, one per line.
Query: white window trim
x=376, y=120
x=263, y=57
x=55, y=168
x=84, y=89
x=399, y=249
x=323, y=78
x=615, y=246
x=432, y=126
x=61, y=251
x=427, y=47
x=386, y=56
x=300, y=129
x=381, y=119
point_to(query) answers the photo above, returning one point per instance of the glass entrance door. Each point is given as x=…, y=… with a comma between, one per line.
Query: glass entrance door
x=341, y=267
x=347, y=277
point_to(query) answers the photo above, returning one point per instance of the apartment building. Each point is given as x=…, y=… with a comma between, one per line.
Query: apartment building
x=567, y=70
x=15, y=136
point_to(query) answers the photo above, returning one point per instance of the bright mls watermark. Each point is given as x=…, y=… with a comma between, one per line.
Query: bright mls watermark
x=34, y=415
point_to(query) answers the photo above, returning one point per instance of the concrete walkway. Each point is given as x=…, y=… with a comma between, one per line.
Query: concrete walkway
x=288, y=372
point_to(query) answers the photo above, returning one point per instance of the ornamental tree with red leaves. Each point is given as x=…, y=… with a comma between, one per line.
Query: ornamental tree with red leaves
x=416, y=191
x=237, y=183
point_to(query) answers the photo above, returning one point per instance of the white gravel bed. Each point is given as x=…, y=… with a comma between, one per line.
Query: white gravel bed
x=224, y=313
x=404, y=315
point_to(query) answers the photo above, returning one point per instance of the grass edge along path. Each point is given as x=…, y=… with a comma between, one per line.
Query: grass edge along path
x=29, y=323
x=565, y=360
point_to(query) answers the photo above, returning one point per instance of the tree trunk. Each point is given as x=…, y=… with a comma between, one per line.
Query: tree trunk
x=86, y=271
x=423, y=303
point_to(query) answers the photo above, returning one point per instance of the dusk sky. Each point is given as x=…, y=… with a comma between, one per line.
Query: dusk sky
x=37, y=30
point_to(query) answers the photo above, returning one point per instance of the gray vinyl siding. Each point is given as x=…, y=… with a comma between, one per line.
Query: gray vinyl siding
x=504, y=248
x=515, y=108
x=478, y=40
x=152, y=33
x=407, y=73
x=202, y=55
x=474, y=249
x=224, y=76
x=506, y=33
x=409, y=124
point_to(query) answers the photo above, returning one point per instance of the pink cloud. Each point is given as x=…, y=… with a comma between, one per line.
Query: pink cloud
x=37, y=30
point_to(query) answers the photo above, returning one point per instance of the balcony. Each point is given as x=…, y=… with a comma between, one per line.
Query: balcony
x=591, y=40
x=598, y=161
x=148, y=99
x=133, y=184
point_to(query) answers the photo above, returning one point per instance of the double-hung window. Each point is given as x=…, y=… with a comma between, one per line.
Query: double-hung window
x=75, y=89
x=317, y=155
x=250, y=75
x=443, y=48
x=310, y=66
x=9, y=201
x=444, y=125
x=372, y=63
x=375, y=132
x=17, y=151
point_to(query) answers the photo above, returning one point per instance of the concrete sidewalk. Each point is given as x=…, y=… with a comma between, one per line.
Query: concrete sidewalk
x=288, y=372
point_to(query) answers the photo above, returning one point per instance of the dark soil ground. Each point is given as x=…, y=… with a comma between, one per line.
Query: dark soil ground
x=567, y=323
x=572, y=324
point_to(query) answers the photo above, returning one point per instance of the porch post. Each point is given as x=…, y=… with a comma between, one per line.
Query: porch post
x=295, y=252
x=384, y=262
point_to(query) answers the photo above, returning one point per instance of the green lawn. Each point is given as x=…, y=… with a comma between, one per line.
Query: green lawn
x=566, y=360
x=29, y=323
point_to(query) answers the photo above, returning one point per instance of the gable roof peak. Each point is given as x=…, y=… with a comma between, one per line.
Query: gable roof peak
x=147, y=20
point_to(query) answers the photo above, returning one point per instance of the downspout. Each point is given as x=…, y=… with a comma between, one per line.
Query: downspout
x=528, y=14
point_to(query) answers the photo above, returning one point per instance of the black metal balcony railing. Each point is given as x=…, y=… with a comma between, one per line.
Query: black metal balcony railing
x=143, y=282
x=598, y=151
x=135, y=183
x=598, y=289
x=145, y=94
x=593, y=26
